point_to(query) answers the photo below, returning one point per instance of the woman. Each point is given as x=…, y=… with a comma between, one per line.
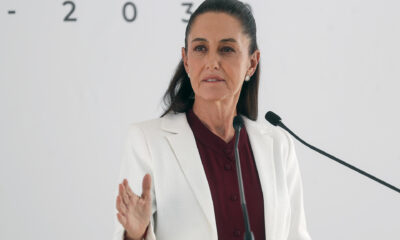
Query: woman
x=185, y=158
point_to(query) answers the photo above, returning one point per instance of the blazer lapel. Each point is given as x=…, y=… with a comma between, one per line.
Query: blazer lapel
x=262, y=147
x=184, y=146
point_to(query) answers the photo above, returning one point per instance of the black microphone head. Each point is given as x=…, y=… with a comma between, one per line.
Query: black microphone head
x=272, y=118
x=237, y=122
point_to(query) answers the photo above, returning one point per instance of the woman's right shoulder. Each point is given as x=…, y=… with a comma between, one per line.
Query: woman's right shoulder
x=155, y=125
x=146, y=123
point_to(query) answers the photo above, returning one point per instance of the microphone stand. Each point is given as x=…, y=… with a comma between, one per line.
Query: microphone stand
x=276, y=121
x=248, y=234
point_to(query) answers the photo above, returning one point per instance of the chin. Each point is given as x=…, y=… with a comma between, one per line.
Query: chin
x=213, y=96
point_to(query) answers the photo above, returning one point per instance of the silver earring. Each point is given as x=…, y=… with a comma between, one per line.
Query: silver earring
x=247, y=78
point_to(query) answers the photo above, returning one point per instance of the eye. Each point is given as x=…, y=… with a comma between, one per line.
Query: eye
x=227, y=49
x=200, y=48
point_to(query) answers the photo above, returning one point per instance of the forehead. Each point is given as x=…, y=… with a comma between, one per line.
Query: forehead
x=216, y=26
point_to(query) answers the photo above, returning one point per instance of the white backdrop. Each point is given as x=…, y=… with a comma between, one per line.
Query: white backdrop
x=69, y=89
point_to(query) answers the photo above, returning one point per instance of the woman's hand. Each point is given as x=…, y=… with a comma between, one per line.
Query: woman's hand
x=134, y=211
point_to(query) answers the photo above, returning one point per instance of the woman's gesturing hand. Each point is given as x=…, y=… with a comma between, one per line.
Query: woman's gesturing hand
x=134, y=211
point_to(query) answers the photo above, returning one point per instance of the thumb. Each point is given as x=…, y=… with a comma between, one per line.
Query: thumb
x=146, y=187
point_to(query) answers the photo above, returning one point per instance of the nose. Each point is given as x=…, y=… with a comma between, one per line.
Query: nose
x=212, y=61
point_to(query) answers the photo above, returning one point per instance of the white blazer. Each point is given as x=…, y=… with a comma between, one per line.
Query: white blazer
x=182, y=206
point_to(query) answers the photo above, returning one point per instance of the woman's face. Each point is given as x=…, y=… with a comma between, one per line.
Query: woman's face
x=217, y=58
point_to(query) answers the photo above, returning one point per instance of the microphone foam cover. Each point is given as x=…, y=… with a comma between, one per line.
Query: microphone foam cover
x=237, y=122
x=272, y=118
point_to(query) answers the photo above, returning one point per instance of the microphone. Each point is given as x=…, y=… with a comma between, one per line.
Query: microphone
x=276, y=121
x=237, y=125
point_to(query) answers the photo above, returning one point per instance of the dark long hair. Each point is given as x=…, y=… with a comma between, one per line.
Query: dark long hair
x=179, y=96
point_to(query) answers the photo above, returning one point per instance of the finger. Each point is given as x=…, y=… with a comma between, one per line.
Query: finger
x=120, y=192
x=121, y=207
x=131, y=195
x=124, y=195
x=129, y=190
x=146, y=187
x=121, y=219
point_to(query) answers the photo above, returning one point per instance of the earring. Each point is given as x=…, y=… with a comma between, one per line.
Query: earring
x=247, y=78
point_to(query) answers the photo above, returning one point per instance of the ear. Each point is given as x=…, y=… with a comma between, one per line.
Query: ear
x=254, y=60
x=184, y=59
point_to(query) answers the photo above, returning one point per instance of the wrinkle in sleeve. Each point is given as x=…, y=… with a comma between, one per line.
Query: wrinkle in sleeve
x=136, y=162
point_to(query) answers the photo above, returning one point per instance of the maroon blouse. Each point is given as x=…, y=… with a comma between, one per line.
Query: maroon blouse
x=219, y=165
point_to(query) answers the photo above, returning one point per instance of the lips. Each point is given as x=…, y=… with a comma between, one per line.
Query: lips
x=212, y=79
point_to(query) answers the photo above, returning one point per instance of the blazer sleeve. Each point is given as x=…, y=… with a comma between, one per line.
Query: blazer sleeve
x=297, y=225
x=136, y=162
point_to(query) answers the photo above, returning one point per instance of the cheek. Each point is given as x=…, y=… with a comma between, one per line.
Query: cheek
x=194, y=64
x=237, y=62
x=235, y=69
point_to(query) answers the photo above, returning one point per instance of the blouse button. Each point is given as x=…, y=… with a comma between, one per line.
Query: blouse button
x=228, y=151
x=228, y=166
x=237, y=233
x=234, y=197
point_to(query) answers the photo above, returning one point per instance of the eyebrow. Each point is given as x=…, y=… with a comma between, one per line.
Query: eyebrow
x=222, y=40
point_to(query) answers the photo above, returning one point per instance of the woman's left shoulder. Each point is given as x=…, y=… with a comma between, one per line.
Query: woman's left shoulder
x=265, y=128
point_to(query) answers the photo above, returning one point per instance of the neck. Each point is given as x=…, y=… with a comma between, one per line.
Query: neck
x=217, y=116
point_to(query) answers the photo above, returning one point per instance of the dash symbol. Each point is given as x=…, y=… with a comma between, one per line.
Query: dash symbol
x=11, y=11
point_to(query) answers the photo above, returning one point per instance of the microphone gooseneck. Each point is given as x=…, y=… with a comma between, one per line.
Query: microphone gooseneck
x=237, y=125
x=275, y=120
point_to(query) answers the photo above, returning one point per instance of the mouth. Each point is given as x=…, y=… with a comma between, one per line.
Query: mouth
x=213, y=79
